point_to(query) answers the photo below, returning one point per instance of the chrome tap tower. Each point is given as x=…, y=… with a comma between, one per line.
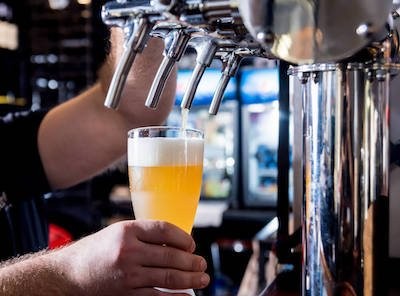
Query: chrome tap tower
x=344, y=54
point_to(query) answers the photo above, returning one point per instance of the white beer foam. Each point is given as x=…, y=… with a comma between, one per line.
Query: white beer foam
x=164, y=151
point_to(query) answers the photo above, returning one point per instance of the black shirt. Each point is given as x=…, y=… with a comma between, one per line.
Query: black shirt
x=23, y=227
x=21, y=171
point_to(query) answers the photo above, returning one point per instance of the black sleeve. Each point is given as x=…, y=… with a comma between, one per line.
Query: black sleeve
x=22, y=174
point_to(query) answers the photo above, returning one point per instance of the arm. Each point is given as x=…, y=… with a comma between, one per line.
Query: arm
x=81, y=137
x=126, y=258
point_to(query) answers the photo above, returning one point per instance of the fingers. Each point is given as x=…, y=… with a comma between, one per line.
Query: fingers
x=163, y=233
x=152, y=292
x=159, y=256
x=153, y=265
x=171, y=278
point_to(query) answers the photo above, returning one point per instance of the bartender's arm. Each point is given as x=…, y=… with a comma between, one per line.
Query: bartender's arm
x=77, y=140
x=126, y=258
x=81, y=137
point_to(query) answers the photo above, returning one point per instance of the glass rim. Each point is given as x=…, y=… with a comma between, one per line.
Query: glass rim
x=163, y=127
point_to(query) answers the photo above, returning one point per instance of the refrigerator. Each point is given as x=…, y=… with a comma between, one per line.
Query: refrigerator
x=259, y=94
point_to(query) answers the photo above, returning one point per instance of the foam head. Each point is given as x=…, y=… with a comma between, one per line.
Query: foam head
x=160, y=151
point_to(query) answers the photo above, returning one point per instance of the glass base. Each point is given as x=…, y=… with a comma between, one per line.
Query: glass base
x=187, y=291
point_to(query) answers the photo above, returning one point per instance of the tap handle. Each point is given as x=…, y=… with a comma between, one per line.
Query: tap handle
x=135, y=42
x=119, y=13
x=219, y=93
x=192, y=86
x=206, y=48
x=230, y=70
x=175, y=45
x=159, y=81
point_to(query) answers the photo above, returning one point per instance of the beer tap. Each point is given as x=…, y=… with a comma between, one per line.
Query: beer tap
x=176, y=38
x=201, y=18
x=181, y=18
x=206, y=48
x=137, y=23
x=207, y=12
x=231, y=61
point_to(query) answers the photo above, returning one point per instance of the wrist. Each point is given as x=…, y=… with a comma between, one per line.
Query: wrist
x=63, y=271
x=82, y=271
x=36, y=274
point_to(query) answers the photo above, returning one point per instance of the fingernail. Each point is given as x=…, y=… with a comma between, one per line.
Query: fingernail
x=203, y=265
x=192, y=247
x=204, y=280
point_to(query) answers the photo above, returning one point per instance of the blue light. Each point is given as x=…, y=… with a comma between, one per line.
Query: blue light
x=259, y=85
x=206, y=88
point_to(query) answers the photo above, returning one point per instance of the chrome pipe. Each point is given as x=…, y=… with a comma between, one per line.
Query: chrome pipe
x=206, y=47
x=163, y=72
x=135, y=43
x=175, y=45
x=346, y=178
x=231, y=66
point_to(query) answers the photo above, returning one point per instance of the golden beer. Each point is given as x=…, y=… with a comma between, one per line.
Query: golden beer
x=173, y=197
x=165, y=175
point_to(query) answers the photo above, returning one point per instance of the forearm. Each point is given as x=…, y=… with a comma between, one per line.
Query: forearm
x=126, y=256
x=37, y=274
x=81, y=137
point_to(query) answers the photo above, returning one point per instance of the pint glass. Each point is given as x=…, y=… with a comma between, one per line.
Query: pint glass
x=165, y=174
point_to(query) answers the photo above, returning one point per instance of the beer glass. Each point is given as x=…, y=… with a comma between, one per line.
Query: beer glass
x=165, y=173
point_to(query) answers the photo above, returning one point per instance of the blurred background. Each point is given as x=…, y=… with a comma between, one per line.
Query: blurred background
x=52, y=50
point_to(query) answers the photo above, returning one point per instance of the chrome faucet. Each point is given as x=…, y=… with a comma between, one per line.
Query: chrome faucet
x=206, y=48
x=231, y=62
x=215, y=23
x=137, y=22
x=176, y=38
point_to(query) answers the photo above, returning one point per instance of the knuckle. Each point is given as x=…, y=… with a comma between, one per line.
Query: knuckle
x=168, y=278
x=118, y=255
x=128, y=228
x=168, y=256
x=135, y=277
x=196, y=264
x=123, y=245
x=121, y=230
x=122, y=279
x=162, y=227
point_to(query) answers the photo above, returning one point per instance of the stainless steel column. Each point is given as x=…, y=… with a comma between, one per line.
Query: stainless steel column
x=346, y=175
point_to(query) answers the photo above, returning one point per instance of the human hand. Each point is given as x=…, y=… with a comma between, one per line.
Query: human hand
x=132, y=257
